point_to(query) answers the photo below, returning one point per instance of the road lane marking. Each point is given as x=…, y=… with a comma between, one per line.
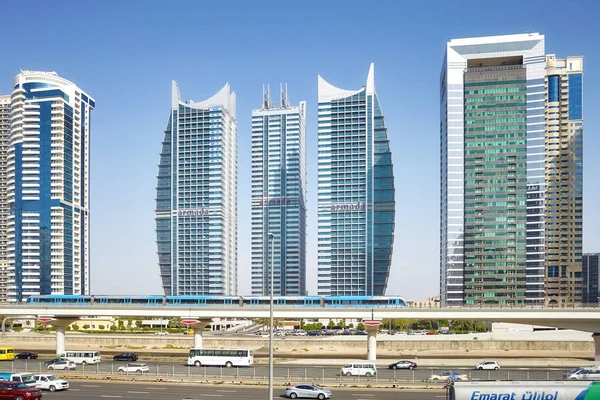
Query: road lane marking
x=90, y=385
x=227, y=391
x=363, y=394
x=210, y=395
x=156, y=388
x=74, y=390
x=133, y=392
x=111, y=396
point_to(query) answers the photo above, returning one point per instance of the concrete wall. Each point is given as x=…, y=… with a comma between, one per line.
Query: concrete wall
x=300, y=346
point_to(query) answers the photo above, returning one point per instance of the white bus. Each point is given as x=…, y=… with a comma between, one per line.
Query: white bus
x=220, y=357
x=82, y=356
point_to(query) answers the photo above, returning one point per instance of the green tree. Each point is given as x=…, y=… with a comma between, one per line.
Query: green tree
x=101, y=327
x=360, y=326
x=75, y=327
x=402, y=324
x=350, y=325
x=138, y=323
x=113, y=327
x=331, y=324
x=86, y=326
x=342, y=324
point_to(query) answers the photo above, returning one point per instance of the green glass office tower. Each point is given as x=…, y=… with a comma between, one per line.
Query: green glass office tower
x=495, y=191
x=492, y=170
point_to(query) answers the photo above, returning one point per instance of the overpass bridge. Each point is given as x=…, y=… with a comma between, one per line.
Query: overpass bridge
x=60, y=316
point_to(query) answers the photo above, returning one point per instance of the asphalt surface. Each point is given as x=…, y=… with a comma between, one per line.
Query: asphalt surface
x=283, y=374
x=105, y=390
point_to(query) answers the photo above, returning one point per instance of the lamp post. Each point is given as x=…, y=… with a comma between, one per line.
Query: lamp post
x=272, y=238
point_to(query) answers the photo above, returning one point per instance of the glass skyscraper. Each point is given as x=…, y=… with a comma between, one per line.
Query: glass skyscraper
x=196, y=201
x=492, y=134
x=591, y=281
x=356, y=203
x=564, y=180
x=47, y=170
x=279, y=197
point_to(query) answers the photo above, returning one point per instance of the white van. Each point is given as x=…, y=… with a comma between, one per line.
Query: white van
x=25, y=378
x=584, y=374
x=359, y=368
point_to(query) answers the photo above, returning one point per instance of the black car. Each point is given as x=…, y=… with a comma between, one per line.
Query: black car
x=404, y=364
x=126, y=357
x=26, y=355
x=54, y=360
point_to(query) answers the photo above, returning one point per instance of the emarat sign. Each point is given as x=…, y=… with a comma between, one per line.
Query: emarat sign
x=516, y=390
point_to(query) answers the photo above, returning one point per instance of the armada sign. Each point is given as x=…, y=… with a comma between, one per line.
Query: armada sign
x=197, y=212
x=278, y=201
x=348, y=207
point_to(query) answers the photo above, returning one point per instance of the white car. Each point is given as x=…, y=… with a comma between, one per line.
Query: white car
x=162, y=333
x=488, y=365
x=68, y=365
x=134, y=367
x=50, y=382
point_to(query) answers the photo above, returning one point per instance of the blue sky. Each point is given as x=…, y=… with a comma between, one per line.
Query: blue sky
x=125, y=54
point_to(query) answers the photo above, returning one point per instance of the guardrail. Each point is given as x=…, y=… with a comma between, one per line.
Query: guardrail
x=284, y=375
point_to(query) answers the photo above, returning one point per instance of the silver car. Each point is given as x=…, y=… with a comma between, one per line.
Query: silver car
x=307, y=391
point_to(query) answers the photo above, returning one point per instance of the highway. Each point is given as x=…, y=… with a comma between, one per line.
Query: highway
x=102, y=390
x=282, y=374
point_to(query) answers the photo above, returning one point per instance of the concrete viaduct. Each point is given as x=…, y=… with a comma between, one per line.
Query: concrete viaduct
x=60, y=316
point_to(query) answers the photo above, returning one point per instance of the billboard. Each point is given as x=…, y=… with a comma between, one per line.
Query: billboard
x=516, y=390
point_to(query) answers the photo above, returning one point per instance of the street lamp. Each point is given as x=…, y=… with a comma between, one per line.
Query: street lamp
x=272, y=238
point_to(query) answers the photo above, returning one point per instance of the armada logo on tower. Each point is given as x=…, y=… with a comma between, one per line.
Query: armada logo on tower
x=348, y=207
x=197, y=212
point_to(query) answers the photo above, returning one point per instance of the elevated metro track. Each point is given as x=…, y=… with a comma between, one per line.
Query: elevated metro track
x=584, y=319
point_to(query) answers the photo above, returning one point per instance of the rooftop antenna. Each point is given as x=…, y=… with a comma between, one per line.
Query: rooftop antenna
x=265, y=98
x=283, y=95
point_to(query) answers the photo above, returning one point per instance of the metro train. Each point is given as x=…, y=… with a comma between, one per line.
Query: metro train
x=213, y=301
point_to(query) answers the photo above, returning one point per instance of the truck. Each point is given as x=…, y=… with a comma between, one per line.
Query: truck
x=524, y=390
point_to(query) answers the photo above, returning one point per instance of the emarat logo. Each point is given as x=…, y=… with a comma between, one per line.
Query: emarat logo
x=591, y=393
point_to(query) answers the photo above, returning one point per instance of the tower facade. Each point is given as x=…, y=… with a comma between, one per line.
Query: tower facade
x=356, y=203
x=4, y=210
x=279, y=197
x=48, y=187
x=564, y=180
x=492, y=134
x=196, y=202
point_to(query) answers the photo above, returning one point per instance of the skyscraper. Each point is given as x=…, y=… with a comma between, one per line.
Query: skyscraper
x=48, y=190
x=279, y=197
x=492, y=132
x=4, y=141
x=196, y=201
x=564, y=179
x=355, y=192
x=591, y=283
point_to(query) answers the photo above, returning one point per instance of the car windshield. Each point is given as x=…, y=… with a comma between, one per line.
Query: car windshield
x=574, y=370
x=21, y=386
x=52, y=378
x=28, y=378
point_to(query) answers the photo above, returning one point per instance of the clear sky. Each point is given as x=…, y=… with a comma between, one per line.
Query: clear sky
x=125, y=54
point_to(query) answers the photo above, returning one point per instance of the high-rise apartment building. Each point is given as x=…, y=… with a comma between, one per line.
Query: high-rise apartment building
x=279, y=197
x=564, y=179
x=196, y=201
x=4, y=140
x=356, y=202
x=591, y=276
x=492, y=132
x=48, y=187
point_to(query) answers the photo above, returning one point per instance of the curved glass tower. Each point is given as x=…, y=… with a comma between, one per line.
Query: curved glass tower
x=48, y=187
x=196, y=201
x=356, y=192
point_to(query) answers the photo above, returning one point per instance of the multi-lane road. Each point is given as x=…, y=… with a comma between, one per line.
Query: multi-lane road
x=285, y=374
x=126, y=390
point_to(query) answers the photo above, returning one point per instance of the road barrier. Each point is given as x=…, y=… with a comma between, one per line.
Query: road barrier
x=283, y=374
